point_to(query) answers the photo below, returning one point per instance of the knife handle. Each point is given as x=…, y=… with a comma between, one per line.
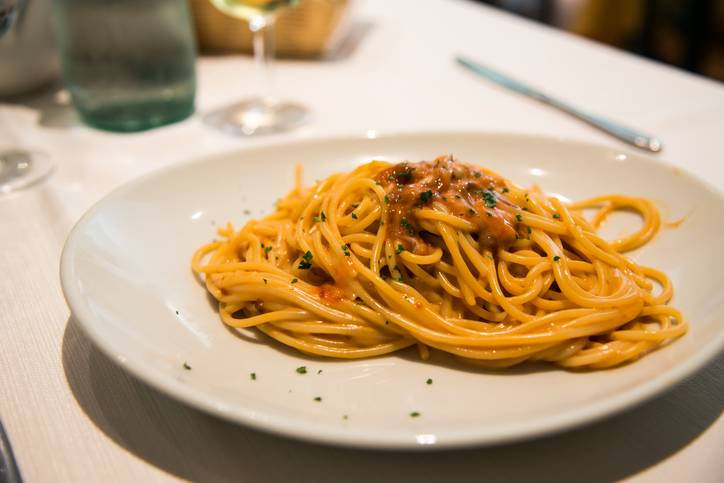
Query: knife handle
x=616, y=130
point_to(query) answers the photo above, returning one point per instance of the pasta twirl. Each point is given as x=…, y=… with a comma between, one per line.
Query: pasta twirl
x=445, y=255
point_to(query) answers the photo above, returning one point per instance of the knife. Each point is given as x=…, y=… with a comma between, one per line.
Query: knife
x=628, y=135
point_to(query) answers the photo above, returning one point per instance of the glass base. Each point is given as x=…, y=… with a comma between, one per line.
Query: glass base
x=254, y=118
x=20, y=169
x=136, y=115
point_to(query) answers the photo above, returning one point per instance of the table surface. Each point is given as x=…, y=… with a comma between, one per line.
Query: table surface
x=73, y=415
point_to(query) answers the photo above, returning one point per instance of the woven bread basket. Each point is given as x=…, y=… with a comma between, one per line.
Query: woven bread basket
x=309, y=30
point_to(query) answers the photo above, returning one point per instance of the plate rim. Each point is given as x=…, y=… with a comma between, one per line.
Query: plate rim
x=466, y=438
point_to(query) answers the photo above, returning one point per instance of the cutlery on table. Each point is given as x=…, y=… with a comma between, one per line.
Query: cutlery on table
x=8, y=469
x=626, y=134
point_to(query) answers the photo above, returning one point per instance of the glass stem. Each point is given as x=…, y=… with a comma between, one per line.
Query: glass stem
x=262, y=27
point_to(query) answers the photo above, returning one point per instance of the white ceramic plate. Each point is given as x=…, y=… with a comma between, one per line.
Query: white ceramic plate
x=126, y=276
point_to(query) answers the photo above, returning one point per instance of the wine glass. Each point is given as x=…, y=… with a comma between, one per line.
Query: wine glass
x=264, y=114
x=19, y=168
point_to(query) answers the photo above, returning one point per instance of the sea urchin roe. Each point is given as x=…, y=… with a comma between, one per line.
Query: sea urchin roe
x=463, y=190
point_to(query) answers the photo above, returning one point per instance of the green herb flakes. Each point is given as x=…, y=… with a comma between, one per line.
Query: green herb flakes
x=302, y=370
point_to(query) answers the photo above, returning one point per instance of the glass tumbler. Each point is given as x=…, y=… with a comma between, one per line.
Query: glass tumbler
x=129, y=65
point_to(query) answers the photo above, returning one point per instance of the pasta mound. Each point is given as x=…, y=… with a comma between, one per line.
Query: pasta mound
x=445, y=255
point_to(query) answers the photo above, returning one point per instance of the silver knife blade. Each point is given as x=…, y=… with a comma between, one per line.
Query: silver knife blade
x=626, y=134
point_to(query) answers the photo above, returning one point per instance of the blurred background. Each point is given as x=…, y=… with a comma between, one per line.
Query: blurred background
x=685, y=33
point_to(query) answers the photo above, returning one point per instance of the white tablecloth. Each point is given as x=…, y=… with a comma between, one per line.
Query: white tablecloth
x=73, y=415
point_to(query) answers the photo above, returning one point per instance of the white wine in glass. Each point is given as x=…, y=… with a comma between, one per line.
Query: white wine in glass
x=264, y=114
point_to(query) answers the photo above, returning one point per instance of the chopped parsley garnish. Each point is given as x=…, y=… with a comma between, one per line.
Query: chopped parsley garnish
x=429, y=381
x=556, y=216
x=267, y=249
x=382, y=222
x=324, y=218
x=316, y=218
x=343, y=247
x=187, y=367
x=318, y=399
x=556, y=258
x=304, y=265
x=505, y=190
x=400, y=186
x=529, y=230
x=346, y=254
x=302, y=370
x=489, y=198
x=401, y=280
x=253, y=376
x=414, y=415
x=426, y=195
x=264, y=281
x=294, y=280
x=387, y=198
x=391, y=177
x=319, y=371
x=472, y=211
x=476, y=175
x=519, y=217
x=400, y=249
x=354, y=215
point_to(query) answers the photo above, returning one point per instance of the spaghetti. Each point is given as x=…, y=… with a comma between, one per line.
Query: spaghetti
x=446, y=255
